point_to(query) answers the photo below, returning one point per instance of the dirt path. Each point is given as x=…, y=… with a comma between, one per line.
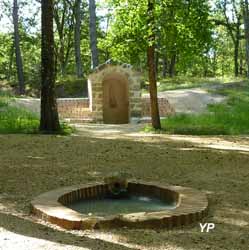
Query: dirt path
x=33, y=164
x=190, y=100
x=135, y=132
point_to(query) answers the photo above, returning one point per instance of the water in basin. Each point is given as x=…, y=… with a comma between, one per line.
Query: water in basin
x=132, y=204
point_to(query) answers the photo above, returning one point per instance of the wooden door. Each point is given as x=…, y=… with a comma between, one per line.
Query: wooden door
x=115, y=99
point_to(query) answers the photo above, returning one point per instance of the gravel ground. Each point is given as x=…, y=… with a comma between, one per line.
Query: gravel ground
x=33, y=164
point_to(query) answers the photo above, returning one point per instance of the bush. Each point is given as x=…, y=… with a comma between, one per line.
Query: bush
x=71, y=86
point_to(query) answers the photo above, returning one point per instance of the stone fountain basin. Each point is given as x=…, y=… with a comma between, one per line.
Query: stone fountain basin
x=190, y=206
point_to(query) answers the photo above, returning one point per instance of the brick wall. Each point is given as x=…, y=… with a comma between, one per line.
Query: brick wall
x=165, y=109
x=74, y=108
x=78, y=108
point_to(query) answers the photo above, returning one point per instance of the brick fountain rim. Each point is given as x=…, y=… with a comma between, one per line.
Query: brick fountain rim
x=191, y=206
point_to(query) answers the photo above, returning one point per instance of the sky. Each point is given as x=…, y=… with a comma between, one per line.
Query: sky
x=28, y=12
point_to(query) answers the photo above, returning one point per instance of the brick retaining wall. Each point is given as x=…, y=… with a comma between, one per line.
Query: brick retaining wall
x=78, y=108
x=74, y=108
x=165, y=109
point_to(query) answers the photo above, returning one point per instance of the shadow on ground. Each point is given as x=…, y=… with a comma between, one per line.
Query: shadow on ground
x=24, y=227
x=33, y=164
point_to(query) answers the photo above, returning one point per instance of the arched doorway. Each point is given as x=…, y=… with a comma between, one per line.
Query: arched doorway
x=115, y=99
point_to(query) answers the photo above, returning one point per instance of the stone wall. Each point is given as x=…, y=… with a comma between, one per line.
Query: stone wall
x=95, y=89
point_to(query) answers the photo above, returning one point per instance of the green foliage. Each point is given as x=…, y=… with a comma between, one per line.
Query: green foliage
x=182, y=30
x=128, y=35
x=66, y=129
x=4, y=99
x=230, y=118
x=71, y=86
x=185, y=82
x=5, y=51
x=189, y=41
x=30, y=42
x=31, y=52
x=15, y=120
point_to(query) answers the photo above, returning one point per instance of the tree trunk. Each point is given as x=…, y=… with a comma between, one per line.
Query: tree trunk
x=157, y=61
x=11, y=57
x=93, y=33
x=222, y=64
x=165, y=65
x=236, y=58
x=155, y=117
x=233, y=29
x=236, y=46
x=64, y=21
x=214, y=63
x=19, y=64
x=241, y=62
x=205, y=67
x=49, y=121
x=246, y=25
x=172, y=65
x=77, y=31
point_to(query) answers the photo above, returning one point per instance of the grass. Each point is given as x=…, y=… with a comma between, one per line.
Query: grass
x=184, y=82
x=229, y=118
x=14, y=120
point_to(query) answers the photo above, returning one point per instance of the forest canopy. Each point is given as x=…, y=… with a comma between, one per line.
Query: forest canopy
x=193, y=38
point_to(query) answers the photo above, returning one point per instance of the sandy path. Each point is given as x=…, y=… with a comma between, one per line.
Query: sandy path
x=12, y=241
x=135, y=132
x=190, y=100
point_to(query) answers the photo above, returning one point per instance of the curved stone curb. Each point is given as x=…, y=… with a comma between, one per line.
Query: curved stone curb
x=191, y=206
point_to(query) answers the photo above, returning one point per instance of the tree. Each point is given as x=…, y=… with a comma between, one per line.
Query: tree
x=93, y=33
x=233, y=26
x=183, y=33
x=49, y=121
x=151, y=66
x=244, y=4
x=77, y=18
x=77, y=31
x=19, y=63
x=64, y=20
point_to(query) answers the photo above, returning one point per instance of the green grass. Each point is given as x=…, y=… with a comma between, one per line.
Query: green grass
x=15, y=120
x=229, y=118
x=183, y=82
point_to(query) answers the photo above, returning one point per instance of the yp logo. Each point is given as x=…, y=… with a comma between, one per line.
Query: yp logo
x=206, y=227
